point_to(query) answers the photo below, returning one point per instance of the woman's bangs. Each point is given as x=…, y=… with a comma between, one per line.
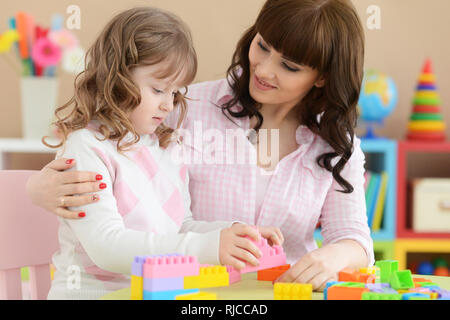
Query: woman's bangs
x=299, y=38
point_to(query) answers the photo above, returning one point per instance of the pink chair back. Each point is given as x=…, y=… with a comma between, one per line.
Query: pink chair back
x=28, y=238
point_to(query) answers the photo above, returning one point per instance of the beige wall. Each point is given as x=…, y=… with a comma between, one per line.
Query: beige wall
x=411, y=30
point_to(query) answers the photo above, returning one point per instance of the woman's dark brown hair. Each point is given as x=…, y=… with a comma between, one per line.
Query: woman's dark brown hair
x=326, y=35
x=105, y=92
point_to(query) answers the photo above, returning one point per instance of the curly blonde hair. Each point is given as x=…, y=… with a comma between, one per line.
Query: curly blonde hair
x=105, y=92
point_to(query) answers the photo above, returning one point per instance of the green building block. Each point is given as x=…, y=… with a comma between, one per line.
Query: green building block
x=402, y=280
x=387, y=268
x=381, y=296
x=428, y=284
x=351, y=284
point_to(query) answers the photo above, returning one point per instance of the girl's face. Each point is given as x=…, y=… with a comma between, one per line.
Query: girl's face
x=157, y=97
x=275, y=80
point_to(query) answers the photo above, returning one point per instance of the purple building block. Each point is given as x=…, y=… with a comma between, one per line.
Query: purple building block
x=163, y=284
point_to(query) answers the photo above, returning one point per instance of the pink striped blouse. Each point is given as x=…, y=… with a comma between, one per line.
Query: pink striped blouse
x=300, y=193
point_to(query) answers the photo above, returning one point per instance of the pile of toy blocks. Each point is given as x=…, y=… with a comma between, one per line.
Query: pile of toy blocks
x=383, y=282
x=178, y=277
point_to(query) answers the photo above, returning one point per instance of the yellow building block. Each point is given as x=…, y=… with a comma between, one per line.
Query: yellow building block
x=292, y=291
x=197, y=296
x=371, y=270
x=137, y=288
x=209, y=277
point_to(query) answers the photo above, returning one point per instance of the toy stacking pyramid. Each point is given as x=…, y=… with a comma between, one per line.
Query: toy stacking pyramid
x=426, y=122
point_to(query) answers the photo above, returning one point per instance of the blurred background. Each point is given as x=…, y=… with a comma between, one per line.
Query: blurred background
x=410, y=46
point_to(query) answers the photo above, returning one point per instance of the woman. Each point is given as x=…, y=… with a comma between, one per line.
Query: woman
x=298, y=70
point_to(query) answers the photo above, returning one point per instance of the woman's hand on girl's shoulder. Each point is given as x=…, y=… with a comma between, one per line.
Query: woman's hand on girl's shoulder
x=55, y=190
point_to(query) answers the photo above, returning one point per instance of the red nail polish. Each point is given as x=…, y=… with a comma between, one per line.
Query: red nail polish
x=70, y=161
x=82, y=214
x=102, y=185
x=98, y=177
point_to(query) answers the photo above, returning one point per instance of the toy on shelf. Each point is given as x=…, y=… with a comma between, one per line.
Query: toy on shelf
x=429, y=206
x=426, y=122
x=390, y=284
x=378, y=98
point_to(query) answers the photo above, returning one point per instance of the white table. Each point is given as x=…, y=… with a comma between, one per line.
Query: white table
x=19, y=145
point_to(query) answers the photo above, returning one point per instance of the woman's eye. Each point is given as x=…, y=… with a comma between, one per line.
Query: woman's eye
x=290, y=68
x=263, y=47
x=157, y=91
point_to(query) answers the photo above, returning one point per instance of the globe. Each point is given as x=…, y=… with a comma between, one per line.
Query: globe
x=377, y=100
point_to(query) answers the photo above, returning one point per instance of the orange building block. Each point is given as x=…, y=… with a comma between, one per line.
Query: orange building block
x=349, y=275
x=272, y=273
x=345, y=293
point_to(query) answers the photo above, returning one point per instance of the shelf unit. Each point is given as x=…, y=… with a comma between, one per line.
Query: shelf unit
x=405, y=246
x=19, y=145
x=381, y=155
x=405, y=148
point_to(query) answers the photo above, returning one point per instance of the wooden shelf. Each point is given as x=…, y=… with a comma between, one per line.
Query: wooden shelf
x=404, y=148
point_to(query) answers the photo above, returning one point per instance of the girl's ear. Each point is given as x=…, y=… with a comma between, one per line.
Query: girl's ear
x=320, y=82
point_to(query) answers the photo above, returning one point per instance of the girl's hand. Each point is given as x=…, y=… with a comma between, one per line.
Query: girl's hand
x=55, y=190
x=235, y=250
x=317, y=267
x=272, y=234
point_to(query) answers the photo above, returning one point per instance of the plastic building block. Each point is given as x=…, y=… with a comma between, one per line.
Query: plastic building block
x=137, y=280
x=351, y=284
x=166, y=295
x=197, y=296
x=272, y=273
x=170, y=266
x=209, y=277
x=348, y=275
x=164, y=284
x=371, y=270
x=339, y=292
x=234, y=275
x=381, y=296
x=387, y=268
x=381, y=288
x=416, y=296
x=292, y=291
x=328, y=285
x=271, y=256
x=402, y=280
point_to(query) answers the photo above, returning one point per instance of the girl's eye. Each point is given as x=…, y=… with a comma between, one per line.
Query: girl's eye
x=290, y=68
x=262, y=46
x=157, y=91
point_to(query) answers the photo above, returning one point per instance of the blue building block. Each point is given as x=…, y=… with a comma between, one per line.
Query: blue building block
x=416, y=296
x=166, y=295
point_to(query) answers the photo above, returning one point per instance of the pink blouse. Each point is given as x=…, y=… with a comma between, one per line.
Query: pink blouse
x=300, y=193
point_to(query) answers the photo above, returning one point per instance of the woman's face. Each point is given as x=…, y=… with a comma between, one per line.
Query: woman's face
x=277, y=81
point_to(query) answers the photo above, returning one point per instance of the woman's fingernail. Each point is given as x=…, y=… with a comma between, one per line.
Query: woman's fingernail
x=95, y=197
x=82, y=214
x=102, y=185
x=70, y=161
x=98, y=177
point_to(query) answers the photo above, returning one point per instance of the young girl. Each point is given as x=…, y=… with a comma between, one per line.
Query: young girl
x=113, y=126
x=298, y=69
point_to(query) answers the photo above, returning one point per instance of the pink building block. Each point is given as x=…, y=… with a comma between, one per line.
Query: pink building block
x=171, y=266
x=235, y=275
x=271, y=256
